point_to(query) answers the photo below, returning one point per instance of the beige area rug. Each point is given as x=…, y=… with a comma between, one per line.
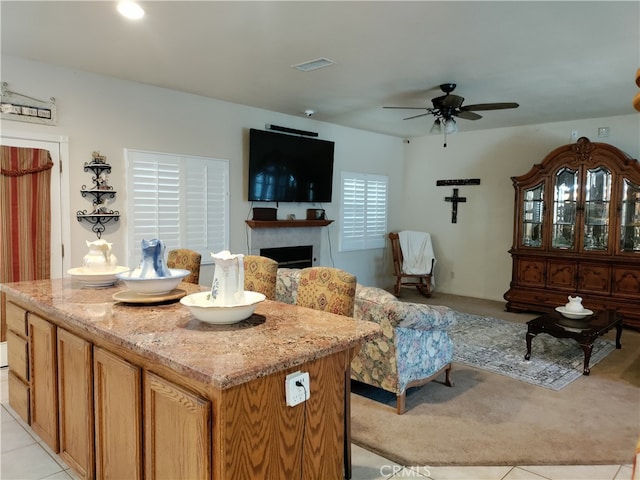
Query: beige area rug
x=490, y=419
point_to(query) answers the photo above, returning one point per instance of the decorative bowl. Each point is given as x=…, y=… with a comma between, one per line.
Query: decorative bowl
x=201, y=307
x=574, y=315
x=153, y=286
x=95, y=279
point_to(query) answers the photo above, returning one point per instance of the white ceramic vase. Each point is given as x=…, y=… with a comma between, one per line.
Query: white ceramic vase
x=153, y=264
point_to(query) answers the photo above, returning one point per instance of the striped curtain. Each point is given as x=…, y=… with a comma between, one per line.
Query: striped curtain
x=25, y=214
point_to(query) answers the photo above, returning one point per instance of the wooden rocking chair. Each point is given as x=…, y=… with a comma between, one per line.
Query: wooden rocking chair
x=421, y=281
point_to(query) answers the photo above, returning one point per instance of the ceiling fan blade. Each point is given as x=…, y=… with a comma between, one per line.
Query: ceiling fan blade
x=410, y=108
x=467, y=115
x=490, y=106
x=452, y=101
x=417, y=116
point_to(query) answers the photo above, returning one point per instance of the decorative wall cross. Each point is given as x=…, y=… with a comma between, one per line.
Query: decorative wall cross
x=455, y=198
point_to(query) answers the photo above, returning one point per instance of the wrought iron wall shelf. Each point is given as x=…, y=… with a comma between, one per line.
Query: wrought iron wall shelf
x=98, y=194
x=98, y=220
x=100, y=191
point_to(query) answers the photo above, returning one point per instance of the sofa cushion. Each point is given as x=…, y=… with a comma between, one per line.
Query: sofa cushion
x=287, y=282
x=420, y=317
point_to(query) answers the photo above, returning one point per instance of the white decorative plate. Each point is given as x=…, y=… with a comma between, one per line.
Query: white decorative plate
x=129, y=296
x=201, y=307
x=95, y=279
x=574, y=315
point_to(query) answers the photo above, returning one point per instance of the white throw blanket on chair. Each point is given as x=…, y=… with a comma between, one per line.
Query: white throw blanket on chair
x=417, y=253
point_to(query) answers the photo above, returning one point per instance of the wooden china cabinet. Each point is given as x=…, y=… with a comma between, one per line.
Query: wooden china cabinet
x=577, y=232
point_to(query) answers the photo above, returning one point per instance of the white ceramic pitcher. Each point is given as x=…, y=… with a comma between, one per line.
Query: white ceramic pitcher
x=574, y=305
x=99, y=258
x=227, y=288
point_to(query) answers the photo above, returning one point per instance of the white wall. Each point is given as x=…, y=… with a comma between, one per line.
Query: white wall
x=472, y=254
x=109, y=115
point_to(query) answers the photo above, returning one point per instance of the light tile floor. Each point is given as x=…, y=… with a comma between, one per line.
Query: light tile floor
x=25, y=457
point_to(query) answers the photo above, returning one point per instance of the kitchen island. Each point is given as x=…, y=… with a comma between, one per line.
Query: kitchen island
x=148, y=391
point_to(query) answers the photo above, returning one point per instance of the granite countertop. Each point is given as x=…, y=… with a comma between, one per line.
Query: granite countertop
x=278, y=336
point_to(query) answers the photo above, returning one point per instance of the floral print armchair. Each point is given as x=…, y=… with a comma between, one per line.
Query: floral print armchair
x=414, y=348
x=187, y=260
x=260, y=275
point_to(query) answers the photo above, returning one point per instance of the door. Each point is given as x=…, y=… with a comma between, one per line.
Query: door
x=56, y=195
x=60, y=229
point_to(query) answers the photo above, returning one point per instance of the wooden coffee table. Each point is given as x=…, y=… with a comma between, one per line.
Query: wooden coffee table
x=584, y=331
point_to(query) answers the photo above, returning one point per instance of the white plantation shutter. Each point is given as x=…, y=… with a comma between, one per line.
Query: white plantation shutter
x=181, y=200
x=363, y=211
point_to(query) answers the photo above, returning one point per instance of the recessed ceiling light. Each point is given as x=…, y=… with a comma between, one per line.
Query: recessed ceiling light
x=130, y=10
x=313, y=64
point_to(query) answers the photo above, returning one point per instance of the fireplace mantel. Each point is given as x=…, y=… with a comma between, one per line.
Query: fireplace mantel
x=287, y=223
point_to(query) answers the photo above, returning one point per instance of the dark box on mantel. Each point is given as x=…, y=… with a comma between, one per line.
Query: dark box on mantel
x=265, y=213
x=315, y=214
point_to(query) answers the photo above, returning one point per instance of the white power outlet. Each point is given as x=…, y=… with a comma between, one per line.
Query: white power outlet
x=294, y=393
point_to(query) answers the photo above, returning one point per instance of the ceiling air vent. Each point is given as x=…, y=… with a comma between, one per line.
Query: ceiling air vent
x=313, y=64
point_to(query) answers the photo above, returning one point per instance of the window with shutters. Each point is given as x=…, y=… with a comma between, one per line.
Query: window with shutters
x=179, y=199
x=363, y=211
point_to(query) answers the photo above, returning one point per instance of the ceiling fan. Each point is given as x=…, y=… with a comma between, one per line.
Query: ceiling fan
x=448, y=106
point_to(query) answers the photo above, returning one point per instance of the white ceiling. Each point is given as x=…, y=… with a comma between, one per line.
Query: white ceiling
x=560, y=60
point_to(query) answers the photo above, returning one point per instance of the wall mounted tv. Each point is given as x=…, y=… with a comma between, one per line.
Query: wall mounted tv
x=289, y=168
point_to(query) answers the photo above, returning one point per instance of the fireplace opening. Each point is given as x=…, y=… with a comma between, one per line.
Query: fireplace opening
x=290, y=257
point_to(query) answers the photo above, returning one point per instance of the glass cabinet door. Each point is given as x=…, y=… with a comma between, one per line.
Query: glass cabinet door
x=565, y=200
x=597, y=201
x=630, y=217
x=533, y=209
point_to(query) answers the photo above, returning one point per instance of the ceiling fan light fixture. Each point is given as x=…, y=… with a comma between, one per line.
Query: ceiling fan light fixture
x=450, y=126
x=437, y=127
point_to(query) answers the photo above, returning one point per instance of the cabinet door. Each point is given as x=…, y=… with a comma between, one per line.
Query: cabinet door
x=562, y=275
x=177, y=430
x=626, y=282
x=594, y=278
x=597, y=201
x=118, y=417
x=17, y=319
x=532, y=217
x=19, y=397
x=44, y=380
x=531, y=272
x=565, y=203
x=630, y=218
x=75, y=389
x=18, y=355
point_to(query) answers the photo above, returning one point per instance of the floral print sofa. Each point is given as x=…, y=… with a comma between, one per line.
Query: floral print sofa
x=414, y=349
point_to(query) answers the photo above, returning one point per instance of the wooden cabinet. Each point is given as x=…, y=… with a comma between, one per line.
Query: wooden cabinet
x=577, y=231
x=75, y=390
x=18, y=358
x=44, y=380
x=114, y=409
x=118, y=416
x=177, y=431
x=86, y=404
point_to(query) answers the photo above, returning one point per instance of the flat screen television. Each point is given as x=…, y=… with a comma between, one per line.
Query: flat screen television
x=289, y=168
